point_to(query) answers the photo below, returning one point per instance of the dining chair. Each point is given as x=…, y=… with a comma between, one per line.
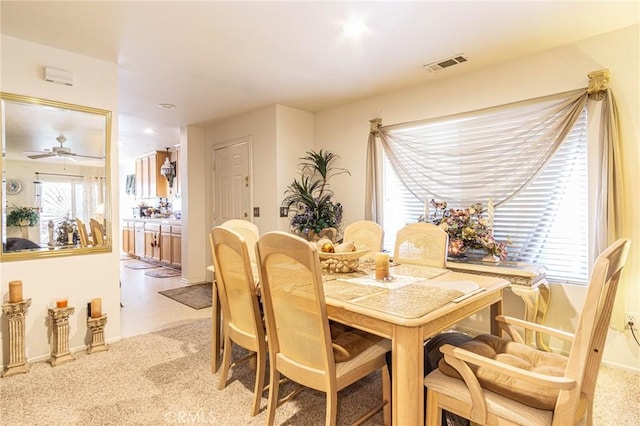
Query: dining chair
x=248, y=230
x=82, y=233
x=423, y=244
x=242, y=320
x=97, y=232
x=299, y=336
x=365, y=234
x=491, y=380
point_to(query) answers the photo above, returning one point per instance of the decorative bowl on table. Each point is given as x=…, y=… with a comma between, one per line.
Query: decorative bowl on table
x=341, y=262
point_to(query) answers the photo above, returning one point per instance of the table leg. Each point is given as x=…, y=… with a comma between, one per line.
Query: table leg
x=495, y=310
x=541, y=315
x=530, y=296
x=216, y=321
x=407, y=377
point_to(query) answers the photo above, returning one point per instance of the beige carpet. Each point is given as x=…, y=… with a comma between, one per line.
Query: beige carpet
x=165, y=378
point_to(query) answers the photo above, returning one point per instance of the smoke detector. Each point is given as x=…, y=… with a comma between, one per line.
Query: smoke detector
x=445, y=63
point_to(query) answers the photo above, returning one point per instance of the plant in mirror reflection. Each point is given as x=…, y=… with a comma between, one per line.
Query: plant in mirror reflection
x=23, y=216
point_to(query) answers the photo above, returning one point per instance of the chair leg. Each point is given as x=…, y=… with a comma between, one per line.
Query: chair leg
x=261, y=367
x=226, y=362
x=332, y=408
x=274, y=384
x=433, y=415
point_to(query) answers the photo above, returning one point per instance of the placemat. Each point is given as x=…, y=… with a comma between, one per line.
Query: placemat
x=411, y=301
x=344, y=290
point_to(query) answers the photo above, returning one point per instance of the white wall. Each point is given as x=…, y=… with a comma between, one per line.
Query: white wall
x=81, y=278
x=294, y=136
x=344, y=130
x=259, y=126
x=194, y=235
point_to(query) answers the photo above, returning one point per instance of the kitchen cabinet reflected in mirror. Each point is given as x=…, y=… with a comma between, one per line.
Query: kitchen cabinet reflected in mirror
x=55, y=192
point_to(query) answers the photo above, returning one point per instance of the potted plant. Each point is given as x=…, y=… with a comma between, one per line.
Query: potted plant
x=23, y=217
x=309, y=198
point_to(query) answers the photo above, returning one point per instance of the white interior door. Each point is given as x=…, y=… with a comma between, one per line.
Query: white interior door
x=232, y=186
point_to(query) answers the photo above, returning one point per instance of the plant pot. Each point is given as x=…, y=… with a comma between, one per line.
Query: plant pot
x=330, y=233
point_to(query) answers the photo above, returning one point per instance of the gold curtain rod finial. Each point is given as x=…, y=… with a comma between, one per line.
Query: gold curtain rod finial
x=598, y=83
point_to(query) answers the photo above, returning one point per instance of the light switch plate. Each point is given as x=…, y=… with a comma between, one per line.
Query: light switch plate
x=256, y=212
x=284, y=212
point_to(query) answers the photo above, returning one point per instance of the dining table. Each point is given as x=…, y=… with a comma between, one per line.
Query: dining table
x=412, y=304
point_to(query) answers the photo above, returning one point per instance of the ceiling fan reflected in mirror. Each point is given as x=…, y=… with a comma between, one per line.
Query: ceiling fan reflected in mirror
x=60, y=151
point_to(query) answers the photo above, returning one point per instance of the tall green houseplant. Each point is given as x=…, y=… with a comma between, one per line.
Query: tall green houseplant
x=310, y=199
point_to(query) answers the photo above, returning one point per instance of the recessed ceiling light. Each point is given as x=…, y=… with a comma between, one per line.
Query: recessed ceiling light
x=354, y=27
x=167, y=106
x=149, y=131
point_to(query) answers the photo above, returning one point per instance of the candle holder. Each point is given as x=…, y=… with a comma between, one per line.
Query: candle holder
x=15, y=313
x=59, y=318
x=96, y=325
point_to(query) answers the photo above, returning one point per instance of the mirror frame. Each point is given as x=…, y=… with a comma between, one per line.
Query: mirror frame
x=57, y=252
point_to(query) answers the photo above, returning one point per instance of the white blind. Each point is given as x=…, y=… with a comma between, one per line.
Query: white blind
x=547, y=222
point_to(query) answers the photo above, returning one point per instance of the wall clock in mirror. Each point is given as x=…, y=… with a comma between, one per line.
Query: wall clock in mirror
x=13, y=186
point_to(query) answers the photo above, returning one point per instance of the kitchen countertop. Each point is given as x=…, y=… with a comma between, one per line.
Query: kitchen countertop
x=167, y=220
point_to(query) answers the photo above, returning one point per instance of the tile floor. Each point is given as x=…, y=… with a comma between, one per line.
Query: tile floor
x=144, y=309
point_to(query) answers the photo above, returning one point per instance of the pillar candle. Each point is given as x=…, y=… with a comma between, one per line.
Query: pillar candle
x=382, y=265
x=15, y=291
x=96, y=308
x=62, y=302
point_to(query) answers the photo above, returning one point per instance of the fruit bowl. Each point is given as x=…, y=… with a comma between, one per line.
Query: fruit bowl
x=341, y=262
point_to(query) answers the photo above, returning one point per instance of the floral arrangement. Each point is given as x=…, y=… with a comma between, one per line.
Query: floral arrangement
x=309, y=197
x=23, y=216
x=467, y=229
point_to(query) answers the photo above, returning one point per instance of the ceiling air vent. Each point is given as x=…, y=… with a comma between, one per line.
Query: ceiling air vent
x=445, y=63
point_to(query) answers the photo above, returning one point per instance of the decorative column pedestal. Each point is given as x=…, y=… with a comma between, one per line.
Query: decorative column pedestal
x=15, y=313
x=59, y=319
x=96, y=325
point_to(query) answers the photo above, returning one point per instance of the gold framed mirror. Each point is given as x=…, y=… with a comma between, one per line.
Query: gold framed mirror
x=55, y=178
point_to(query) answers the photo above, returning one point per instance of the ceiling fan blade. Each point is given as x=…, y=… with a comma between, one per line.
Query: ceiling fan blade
x=43, y=155
x=85, y=156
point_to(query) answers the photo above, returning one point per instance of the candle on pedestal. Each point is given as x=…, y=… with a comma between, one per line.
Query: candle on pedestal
x=96, y=308
x=61, y=302
x=382, y=265
x=15, y=291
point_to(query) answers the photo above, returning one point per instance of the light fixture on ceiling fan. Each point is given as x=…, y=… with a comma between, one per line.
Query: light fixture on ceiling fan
x=60, y=151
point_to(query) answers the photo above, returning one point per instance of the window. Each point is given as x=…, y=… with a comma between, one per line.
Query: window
x=60, y=201
x=547, y=222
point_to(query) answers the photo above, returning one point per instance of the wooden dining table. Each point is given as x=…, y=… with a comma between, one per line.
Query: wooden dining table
x=408, y=313
x=417, y=303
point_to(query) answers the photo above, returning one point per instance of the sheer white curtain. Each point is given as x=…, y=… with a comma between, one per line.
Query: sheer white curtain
x=93, y=198
x=479, y=155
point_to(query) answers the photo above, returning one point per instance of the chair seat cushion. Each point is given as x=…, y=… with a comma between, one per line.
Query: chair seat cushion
x=516, y=355
x=349, y=343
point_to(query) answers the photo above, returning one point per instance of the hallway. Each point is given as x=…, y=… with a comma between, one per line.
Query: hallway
x=144, y=309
